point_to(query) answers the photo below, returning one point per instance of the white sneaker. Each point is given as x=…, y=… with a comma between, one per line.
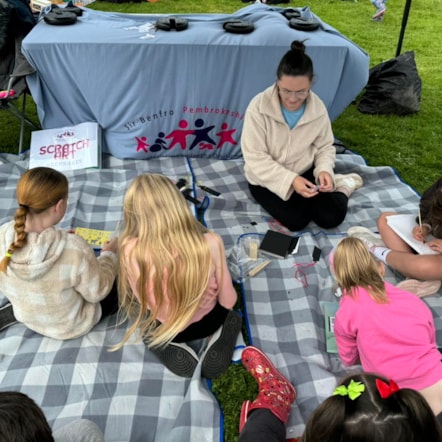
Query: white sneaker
x=351, y=181
x=369, y=238
x=419, y=288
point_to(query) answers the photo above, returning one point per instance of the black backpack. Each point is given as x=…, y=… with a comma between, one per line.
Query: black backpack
x=393, y=87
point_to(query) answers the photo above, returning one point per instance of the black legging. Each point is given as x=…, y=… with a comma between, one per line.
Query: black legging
x=327, y=209
x=109, y=305
x=262, y=426
x=206, y=326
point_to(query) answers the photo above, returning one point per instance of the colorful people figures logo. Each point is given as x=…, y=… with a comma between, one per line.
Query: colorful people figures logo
x=188, y=138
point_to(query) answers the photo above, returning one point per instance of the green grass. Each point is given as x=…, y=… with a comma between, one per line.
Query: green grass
x=410, y=144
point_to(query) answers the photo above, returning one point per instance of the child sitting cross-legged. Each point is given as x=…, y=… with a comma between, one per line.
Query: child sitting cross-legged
x=174, y=283
x=55, y=284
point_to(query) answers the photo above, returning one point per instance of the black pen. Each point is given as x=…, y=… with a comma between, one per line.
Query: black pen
x=209, y=190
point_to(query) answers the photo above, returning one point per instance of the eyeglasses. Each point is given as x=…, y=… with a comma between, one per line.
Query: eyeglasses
x=296, y=94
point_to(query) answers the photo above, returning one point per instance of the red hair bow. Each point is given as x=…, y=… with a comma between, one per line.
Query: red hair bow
x=385, y=390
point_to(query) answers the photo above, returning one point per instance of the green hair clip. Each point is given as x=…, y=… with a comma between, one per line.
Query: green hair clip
x=8, y=255
x=353, y=390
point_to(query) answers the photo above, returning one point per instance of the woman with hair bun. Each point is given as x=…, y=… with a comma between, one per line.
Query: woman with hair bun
x=287, y=145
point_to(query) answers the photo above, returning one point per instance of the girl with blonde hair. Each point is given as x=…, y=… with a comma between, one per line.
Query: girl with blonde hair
x=388, y=330
x=52, y=278
x=174, y=282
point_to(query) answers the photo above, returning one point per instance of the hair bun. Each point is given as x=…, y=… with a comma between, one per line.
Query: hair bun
x=297, y=46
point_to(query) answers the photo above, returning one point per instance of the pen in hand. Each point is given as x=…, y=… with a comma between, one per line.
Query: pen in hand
x=420, y=225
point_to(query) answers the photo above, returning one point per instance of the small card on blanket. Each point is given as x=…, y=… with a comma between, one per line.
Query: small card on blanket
x=278, y=244
x=403, y=226
x=330, y=309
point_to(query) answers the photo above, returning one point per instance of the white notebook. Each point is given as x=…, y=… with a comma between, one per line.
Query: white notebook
x=403, y=226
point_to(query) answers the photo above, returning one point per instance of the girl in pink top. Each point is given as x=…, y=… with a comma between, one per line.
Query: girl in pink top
x=174, y=282
x=388, y=330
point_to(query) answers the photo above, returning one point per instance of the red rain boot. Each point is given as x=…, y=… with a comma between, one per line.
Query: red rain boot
x=276, y=393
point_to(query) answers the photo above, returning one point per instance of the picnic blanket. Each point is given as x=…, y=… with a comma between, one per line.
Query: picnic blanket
x=128, y=393
x=282, y=306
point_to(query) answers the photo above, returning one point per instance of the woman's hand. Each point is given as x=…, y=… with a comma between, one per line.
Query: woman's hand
x=304, y=187
x=435, y=244
x=325, y=182
x=110, y=246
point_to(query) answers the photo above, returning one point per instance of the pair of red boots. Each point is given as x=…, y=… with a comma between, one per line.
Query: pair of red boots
x=276, y=393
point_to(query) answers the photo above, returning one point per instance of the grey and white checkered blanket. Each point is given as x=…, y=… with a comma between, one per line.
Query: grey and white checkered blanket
x=128, y=393
x=283, y=307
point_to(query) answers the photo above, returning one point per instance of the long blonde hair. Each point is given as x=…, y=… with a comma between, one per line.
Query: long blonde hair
x=38, y=189
x=171, y=253
x=354, y=267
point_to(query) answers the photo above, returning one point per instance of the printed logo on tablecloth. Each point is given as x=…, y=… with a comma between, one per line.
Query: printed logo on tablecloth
x=200, y=137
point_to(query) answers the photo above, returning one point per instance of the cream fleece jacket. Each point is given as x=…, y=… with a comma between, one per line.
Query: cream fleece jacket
x=55, y=282
x=274, y=154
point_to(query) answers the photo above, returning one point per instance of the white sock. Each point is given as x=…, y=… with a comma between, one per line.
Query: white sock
x=380, y=253
x=345, y=190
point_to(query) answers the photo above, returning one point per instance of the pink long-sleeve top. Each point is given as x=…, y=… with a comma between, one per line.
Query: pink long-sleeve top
x=396, y=340
x=220, y=288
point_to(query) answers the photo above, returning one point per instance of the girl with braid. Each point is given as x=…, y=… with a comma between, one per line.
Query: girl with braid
x=55, y=284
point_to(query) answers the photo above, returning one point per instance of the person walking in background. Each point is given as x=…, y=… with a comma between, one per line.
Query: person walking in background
x=174, y=283
x=287, y=145
x=380, y=9
x=55, y=284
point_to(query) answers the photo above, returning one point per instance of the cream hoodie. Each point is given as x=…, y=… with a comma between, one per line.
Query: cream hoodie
x=55, y=282
x=274, y=154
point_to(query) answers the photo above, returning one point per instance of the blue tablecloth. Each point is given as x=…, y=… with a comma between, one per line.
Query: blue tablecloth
x=159, y=93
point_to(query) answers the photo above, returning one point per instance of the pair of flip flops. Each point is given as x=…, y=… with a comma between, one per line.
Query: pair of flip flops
x=63, y=16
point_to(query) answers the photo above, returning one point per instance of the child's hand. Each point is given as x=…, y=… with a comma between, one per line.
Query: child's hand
x=420, y=234
x=435, y=244
x=110, y=246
